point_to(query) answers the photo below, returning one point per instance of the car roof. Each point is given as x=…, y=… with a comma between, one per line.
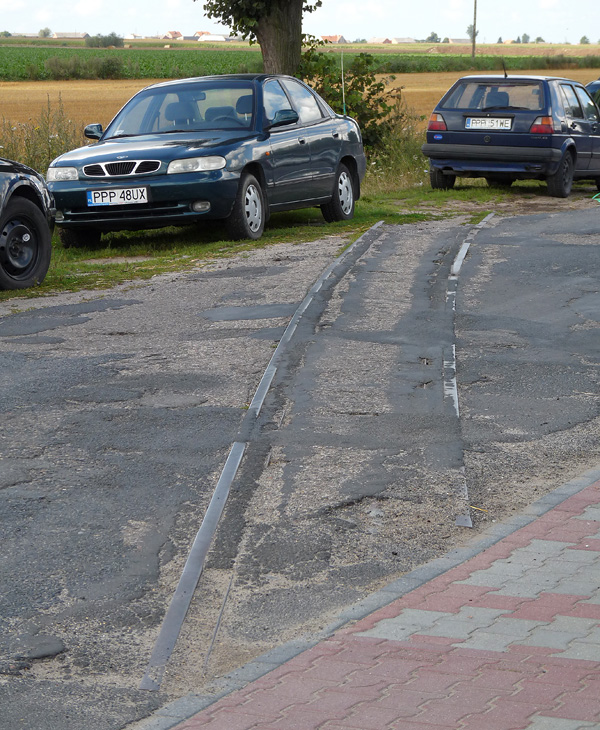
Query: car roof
x=220, y=77
x=515, y=77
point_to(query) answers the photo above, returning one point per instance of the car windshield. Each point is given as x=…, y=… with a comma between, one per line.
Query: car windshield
x=186, y=107
x=488, y=95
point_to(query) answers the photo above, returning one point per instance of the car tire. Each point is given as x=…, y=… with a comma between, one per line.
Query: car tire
x=80, y=237
x=560, y=184
x=247, y=219
x=25, y=245
x=439, y=181
x=499, y=181
x=341, y=205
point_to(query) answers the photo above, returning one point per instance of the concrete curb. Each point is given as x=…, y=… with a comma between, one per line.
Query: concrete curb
x=182, y=709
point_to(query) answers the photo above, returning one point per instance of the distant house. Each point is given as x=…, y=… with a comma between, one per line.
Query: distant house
x=200, y=33
x=133, y=37
x=333, y=39
x=70, y=36
x=172, y=35
x=398, y=41
x=378, y=41
x=460, y=41
x=212, y=38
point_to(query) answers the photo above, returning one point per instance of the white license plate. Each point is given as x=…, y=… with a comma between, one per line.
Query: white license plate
x=117, y=196
x=488, y=123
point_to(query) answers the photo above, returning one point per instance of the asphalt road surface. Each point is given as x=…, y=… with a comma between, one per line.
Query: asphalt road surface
x=119, y=408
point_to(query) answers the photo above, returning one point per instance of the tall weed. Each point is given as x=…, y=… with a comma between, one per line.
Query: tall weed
x=397, y=162
x=37, y=142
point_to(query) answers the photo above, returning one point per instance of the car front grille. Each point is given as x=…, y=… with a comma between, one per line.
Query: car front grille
x=121, y=169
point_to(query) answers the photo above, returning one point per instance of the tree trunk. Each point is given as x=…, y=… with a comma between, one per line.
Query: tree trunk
x=279, y=35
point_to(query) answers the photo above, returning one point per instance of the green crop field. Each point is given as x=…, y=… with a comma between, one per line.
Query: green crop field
x=31, y=63
x=42, y=63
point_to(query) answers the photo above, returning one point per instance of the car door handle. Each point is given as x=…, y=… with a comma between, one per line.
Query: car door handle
x=336, y=135
x=301, y=140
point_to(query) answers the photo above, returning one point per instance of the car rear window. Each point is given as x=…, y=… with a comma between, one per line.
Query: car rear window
x=488, y=95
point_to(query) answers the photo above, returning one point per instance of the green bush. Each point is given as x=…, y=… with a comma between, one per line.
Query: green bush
x=358, y=93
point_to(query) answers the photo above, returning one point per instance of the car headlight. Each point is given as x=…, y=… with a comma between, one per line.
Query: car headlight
x=55, y=174
x=196, y=164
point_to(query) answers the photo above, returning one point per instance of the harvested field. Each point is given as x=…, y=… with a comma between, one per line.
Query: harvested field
x=87, y=101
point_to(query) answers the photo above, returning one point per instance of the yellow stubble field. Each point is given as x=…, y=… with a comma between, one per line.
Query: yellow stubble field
x=87, y=101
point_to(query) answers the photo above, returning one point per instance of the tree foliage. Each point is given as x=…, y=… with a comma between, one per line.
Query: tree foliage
x=433, y=38
x=104, y=41
x=275, y=24
x=471, y=30
x=361, y=95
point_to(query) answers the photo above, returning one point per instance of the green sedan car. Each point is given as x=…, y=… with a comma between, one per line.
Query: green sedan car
x=232, y=148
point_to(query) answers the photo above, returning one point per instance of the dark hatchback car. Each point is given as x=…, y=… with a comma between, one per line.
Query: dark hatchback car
x=594, y=88
x=26, y=223
x=507, y=128
x=233, y=147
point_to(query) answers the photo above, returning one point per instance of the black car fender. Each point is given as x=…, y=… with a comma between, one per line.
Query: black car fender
x=20, y=186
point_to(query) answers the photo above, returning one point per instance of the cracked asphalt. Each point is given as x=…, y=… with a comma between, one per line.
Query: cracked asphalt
x=119, y=409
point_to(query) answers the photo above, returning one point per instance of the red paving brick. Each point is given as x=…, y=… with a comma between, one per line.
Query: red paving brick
x=547, y=606
x=352, y=682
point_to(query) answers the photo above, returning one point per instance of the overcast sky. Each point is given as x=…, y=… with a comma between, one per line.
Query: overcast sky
x=554, y=20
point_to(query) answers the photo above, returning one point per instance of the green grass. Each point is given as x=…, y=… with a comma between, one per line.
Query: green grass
x=137, y=256
x=133, y=257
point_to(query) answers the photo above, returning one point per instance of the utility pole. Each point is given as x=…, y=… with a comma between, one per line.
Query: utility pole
x=474, y=29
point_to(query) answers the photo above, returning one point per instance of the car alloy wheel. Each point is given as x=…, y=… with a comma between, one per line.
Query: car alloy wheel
x=345, y=193
x=253, y=208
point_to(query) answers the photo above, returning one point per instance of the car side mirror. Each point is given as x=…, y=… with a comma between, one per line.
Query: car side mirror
x=283, y=117
x=93, y=131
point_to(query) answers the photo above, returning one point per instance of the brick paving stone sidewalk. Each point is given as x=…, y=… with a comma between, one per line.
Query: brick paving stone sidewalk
x=509, y=640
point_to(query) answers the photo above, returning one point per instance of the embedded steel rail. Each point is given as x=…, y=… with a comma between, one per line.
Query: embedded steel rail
x=180, y=603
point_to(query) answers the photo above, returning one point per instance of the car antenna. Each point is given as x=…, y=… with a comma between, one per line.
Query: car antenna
x=504, y=67
x=343, y=86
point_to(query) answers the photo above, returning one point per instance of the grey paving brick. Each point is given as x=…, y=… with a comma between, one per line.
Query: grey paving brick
x=529, y=586
x=560, y=633
x=408, y=622
x=558, y=723
x=581, y=557
x=590, y=513
x=516, y=628
x=593, y=637
x=584, y=582
x=546, y=548
x=488, y=577
x=462, y=624
x=580, y=650
x=485, y=640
